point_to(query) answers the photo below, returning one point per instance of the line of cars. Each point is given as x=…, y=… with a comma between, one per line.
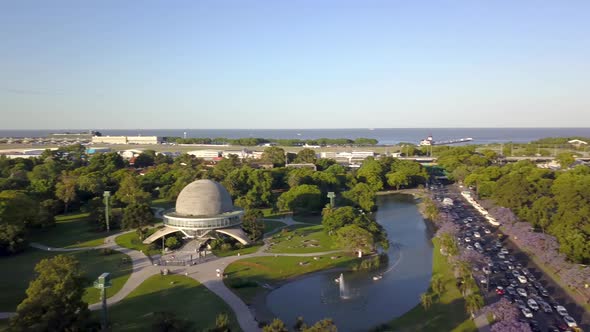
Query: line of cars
x=502, y=274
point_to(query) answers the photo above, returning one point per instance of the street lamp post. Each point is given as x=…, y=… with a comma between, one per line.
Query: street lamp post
x=107, y=208
x=331, y=196
x=102, y=283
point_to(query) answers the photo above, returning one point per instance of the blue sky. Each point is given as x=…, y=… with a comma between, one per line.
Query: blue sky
x=294, y=64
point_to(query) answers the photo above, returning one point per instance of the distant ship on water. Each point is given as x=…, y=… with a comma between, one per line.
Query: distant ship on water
x=428, y=141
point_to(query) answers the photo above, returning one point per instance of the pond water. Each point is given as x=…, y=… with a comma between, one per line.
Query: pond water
x=368, y=302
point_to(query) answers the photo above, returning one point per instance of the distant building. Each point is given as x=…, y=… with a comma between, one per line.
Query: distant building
x=93, y=150
x=131, y=153
x=206, y=154
x=241, y=154
x=303, y=165
x=577, y=142
x=126, y=140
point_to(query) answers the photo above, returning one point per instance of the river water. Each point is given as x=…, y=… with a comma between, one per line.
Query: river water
x=371, y=302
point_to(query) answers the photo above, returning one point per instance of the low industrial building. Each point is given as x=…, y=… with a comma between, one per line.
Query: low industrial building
x=126, y=140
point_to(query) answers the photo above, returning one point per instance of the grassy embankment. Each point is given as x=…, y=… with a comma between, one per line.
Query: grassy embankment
x=183, y=296
x=19, y=271
x=71, y=230
x=446, y=314
x=131, y=241
x=302, y=239
x=247, y=277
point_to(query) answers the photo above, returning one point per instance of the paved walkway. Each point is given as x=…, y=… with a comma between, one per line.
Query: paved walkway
x=205, y=273
x=482, y=324
x=6, y=315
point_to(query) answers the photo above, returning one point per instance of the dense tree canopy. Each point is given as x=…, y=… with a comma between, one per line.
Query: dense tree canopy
x=54, y=298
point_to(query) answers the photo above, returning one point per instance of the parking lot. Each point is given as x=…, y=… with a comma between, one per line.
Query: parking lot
x=507, y=272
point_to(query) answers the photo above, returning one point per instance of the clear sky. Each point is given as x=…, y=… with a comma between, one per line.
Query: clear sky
x=294, y=64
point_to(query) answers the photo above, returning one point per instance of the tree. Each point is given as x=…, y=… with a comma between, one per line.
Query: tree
x=306, y=156
x=473, y=302
x=17, y=208
x=54, y=298
x=303, y=198
x=324, y=325
x=130, y=191
x=221, y=323
x=253, y=227
x=361, y=195
x=274, y=155
x=65, y=190
x=355, y=238
x=165, y=321
x=145, y=159
x=371, y=172
x=276, y=325
x=173, y=243
x=565, y=159
x=437, y=284
x=137, y=215
x=426, y=300
x=12, y=239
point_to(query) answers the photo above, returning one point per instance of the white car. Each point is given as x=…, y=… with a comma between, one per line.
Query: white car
x=569, y=321
x=561, y=310
x=469, y=247
x=476, y=234
x=486, y=270
x=522, y=279
x=501, y=256
x=504, y=251
x=487, y=231
x=521, y=292
x=467, y=239
x=527, y=312
x=477, y=245
x=533, y=304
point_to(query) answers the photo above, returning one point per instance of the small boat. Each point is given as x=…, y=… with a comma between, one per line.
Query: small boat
x=377, y=277
x=337, y=280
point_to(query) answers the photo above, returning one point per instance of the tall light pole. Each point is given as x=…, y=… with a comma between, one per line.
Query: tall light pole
x=107, y=208
x=102, y=283
x=331, y=196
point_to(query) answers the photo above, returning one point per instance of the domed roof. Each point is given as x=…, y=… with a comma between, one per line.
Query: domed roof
x=203, y=198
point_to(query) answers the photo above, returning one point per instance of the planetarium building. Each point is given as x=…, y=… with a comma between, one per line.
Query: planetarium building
x=204, y=209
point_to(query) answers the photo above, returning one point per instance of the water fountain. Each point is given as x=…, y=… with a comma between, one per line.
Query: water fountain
x=344, y=293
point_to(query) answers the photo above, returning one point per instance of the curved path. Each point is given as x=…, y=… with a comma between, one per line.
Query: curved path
x=205, y=273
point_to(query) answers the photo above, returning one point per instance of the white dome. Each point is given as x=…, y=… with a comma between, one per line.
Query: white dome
x=203, y=198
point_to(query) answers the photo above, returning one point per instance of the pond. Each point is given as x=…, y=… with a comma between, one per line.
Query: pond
x=368, y=302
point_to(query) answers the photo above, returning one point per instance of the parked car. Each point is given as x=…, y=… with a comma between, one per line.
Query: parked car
x=533, y=304
x=561, y=310
x=521, y=292
x=569, y=321
x=527, y=312
x=522, y=279
x=546, y=308
x=500, y=290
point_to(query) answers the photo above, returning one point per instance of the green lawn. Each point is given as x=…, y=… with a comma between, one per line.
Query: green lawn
x=70, y=230
x=4, y=325
x=302, y=239
x=248, y=250
x=131, y=240
x=448, y=314
x=181, y=295
x=246, y=277
x=271, y=225
x=18, y=270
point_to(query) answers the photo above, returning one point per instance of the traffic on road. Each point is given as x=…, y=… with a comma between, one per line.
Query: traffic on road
x=507, y=272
